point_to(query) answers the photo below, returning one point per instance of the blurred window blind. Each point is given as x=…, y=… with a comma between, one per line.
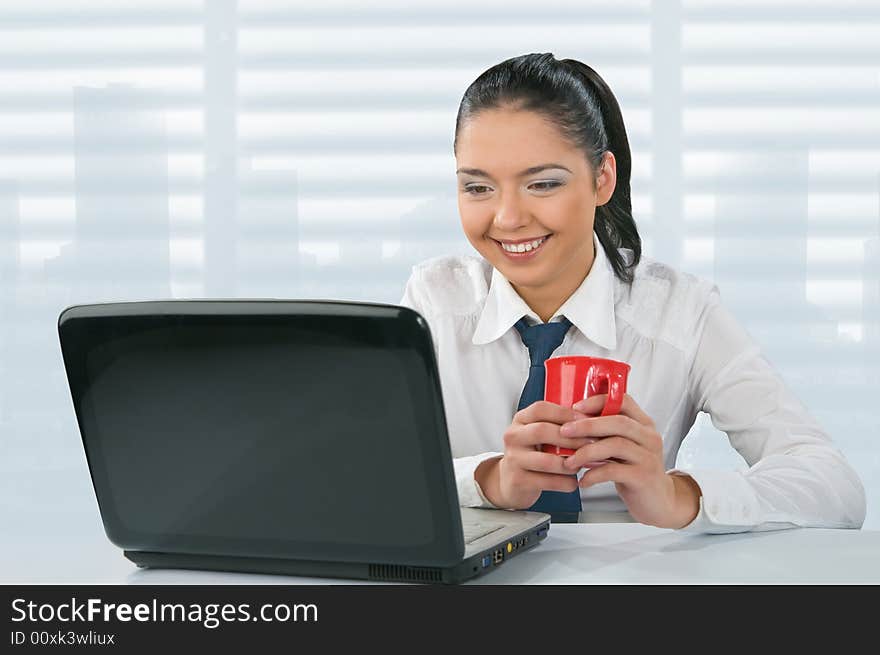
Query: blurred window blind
x=780, y=152
x=348, y=115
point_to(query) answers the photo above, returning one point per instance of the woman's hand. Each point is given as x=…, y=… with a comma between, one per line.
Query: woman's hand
x=633, y=453
x=515, y=481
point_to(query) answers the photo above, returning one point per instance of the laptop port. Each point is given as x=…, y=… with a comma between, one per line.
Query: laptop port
x=486, y=561
x=498, y=557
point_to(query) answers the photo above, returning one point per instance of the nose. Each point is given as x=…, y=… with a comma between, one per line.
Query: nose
x=510, y=214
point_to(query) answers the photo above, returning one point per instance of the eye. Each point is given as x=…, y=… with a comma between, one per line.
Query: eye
x=472, y=189
x=546, y=186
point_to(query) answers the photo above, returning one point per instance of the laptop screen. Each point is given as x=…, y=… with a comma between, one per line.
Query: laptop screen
x=274, y=435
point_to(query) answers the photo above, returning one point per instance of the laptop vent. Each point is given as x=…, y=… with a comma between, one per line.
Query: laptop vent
x=405, y=573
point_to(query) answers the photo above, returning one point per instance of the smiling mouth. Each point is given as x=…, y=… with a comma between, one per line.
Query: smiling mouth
x=523, y=250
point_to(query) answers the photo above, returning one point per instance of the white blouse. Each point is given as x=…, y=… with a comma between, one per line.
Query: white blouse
x=688, y=354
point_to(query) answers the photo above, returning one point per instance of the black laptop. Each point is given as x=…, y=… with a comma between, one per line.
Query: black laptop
x=272, y=436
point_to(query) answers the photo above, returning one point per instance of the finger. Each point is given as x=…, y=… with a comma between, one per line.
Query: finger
x=610, y=472
x=595, y=404
x=532, y=435
x=592, y=406
x=610, y=426
x=545, y=411
x=541, y=462
x=619, y=448
x=632, y=409
x=645, y=436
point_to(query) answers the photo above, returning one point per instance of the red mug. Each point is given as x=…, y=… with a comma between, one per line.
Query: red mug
x=572, y=378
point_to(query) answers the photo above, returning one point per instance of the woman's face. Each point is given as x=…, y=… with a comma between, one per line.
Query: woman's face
x=521, y=182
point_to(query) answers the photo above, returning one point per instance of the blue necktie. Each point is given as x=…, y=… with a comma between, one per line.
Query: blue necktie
x=542, y=340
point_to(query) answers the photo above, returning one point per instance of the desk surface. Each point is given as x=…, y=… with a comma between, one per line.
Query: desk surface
x=627, y=553
x=58, y=538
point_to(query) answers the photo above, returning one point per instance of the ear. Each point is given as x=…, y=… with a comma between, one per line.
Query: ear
x=606, y=179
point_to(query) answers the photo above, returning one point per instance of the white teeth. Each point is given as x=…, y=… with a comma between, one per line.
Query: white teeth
x=524, y=247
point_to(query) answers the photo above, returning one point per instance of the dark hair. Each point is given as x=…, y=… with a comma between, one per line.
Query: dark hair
x=576, y=99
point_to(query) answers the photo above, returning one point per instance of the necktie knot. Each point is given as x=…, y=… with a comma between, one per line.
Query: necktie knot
x=542, y=339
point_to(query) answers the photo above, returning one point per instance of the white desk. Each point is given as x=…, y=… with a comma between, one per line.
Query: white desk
x=50, y=537
x=604, y=553
x=630, y=553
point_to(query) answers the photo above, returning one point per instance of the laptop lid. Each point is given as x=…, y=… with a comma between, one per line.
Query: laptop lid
x=290, y=429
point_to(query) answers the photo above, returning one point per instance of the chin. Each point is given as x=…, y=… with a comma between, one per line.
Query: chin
x=521, y=278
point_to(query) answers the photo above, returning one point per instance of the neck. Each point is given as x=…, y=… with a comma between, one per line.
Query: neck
x=544, y=310
x=545, y=300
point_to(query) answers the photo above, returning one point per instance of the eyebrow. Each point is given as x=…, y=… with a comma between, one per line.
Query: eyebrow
x=529, y=171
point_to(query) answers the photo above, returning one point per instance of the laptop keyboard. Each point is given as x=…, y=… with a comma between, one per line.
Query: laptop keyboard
x=473, y=530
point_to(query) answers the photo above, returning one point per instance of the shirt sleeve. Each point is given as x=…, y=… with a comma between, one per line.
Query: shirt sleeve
x=796, y=475
x=469, y=492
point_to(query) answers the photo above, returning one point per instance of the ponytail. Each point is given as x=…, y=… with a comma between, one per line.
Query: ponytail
x=614, y=226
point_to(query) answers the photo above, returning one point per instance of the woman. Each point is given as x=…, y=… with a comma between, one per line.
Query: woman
x=543, y=166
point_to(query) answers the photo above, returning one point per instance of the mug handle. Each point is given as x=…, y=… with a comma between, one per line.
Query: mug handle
x=616, y=392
